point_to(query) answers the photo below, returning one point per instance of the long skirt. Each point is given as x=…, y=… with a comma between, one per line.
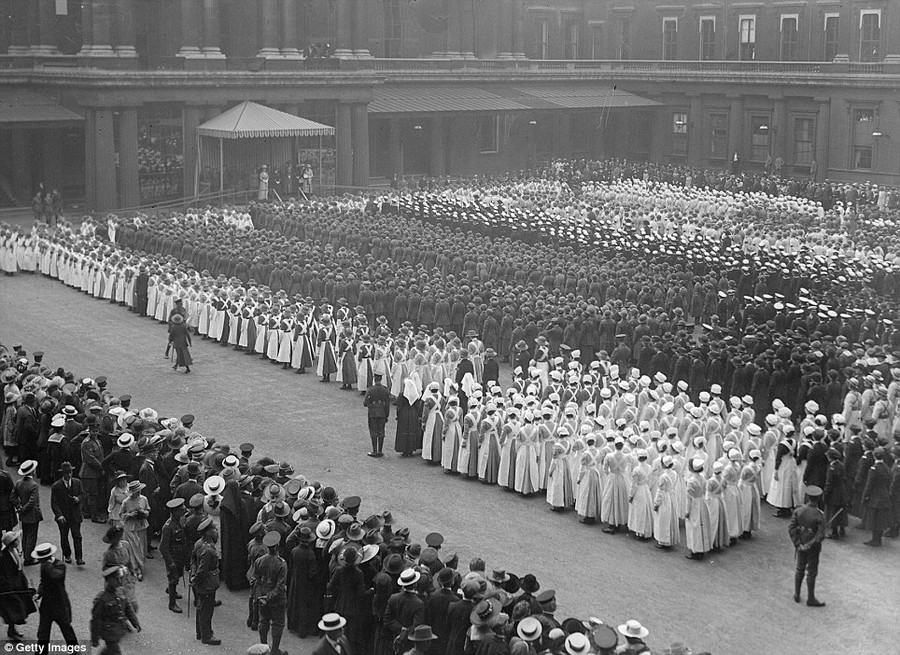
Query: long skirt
x=489, y=459
x=527, y=476
x=450, y=450
x=718, y=520
x=432, y=444
x=183, y=356
x=589, y=495
x=697, y=528
x=614, y=508
x=749, y=506
x=665, y=520
x=640, y=514
x=731, y=497
x=506, y=474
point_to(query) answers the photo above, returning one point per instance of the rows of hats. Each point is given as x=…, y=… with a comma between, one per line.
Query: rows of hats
x=258, y=505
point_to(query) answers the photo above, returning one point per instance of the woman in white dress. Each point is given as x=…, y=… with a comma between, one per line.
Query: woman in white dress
x=451, y=435
x=781, y=490
x=489, y=446
x=718, y=519
x=640, y=509
x=434, y=424
x=665, y=506
x=614, y=507
x=697, y=527
x=732, y=495
x=748, y=488
x=527, y=480
x=506, y=474
x=588, y=486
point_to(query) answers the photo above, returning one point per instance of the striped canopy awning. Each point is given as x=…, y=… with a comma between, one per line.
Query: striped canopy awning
x=250, y=120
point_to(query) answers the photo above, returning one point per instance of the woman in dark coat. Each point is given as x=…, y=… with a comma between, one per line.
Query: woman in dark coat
x=347, y=595
x=180, y=338
x=409, y=418
x=235, y=534
x=304, y=603
x=14, y=607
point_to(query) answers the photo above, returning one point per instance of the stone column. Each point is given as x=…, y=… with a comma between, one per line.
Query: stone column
x=360, y=136
x=450, y=47
x=99, y=43
x=360, y=38
x=517, y=39
x=695, y=130
x=128, y=157
x=343, y=29
x=45, y=44
x=269, y=20
x=343, y=145
x=289, y=40
x=736, y=131
x=20, y=39
x=438, y=153
x=823, y=133
x=125, y=29
x=190, y=120
x=778, y=128
x=504, y=30
x=191, y=30
x=466, y=28
x=212, y=31
x=395, y=147
x=100, y=153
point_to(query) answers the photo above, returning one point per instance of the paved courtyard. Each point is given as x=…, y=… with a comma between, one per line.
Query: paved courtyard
x=737, y=602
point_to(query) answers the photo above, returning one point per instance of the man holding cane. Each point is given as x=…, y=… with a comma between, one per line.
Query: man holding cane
x=65, y=502
x=807, y=531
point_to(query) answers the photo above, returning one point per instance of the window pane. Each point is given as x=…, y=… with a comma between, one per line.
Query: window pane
x=597, y=41
x=804, y=140
x=718, y=134
x=707, y=40
x=831, y=38
x=790, y=39
x=670, y=39
x=862, y=157
x=870, y=37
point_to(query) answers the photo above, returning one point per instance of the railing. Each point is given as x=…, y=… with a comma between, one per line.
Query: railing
x=890, y=65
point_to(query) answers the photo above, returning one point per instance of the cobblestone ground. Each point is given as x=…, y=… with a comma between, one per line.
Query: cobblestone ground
x=736, y=602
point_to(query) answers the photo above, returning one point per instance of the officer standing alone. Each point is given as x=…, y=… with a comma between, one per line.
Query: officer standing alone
x=205, y=580
x=807, y=531
x=268, y=577
x=378, y=400
x=173, y=547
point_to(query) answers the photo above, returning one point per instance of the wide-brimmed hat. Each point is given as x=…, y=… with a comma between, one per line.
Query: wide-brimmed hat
x=274, y=492
x=282, y=509
x=8, y=538
x=529, y=629
x=306, y=535
x=369, y=552
x=332, y=622
x=388, y=518
x=125, y=440
x=677, y=648
x=485, y=611
x=214, y=485
x=498, y=576
x=177, y=318
x=408, y=577
x=28, y=467
x=421, y=633
x=325, y=529
x=355, y=532
x=44, y=551
x=578, y=644
x=633, y=628
x=135, y=485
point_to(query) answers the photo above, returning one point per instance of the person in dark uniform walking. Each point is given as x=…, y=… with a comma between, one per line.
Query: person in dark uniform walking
x=205, y=580
x=180, y=339
x=173, y=547
x=110, y=614
x=807, y=530
x=55, y=605
x=378, y=400
x=876, y=499
x=268, y=577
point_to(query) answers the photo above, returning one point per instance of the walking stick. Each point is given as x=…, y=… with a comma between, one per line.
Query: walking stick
x=188, y=587
x=837, y=514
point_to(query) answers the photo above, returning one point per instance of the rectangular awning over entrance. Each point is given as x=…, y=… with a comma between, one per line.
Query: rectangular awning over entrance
x=453, y=98
x=26, y=109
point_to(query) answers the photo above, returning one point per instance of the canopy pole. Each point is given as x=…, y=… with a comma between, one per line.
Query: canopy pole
x=320, y=165
x=221, y=168
x=197, y=170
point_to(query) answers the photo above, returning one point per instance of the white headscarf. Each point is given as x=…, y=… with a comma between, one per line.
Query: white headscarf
x=412, y=388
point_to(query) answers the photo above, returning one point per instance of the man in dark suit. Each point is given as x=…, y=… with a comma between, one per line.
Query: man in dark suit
x=65, y=501
x=378, y=401
x=490, y=374
x=55, y=605
x=458, y=620
x=29, y=502
x=333, y=642
x=436, y=609
x=405, y=609
x=876, y=499
x=817, y=461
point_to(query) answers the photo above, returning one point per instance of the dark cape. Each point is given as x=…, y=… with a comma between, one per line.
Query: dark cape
x=409, y=425
x=235, y=534
x=304, y=602
x=16, y=601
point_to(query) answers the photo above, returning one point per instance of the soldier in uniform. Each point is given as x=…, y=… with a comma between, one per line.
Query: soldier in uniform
x=110, y=613
x=268, y=577
x=173, y=547
x=378, y=401
x=205, y=579
x=807, y=530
